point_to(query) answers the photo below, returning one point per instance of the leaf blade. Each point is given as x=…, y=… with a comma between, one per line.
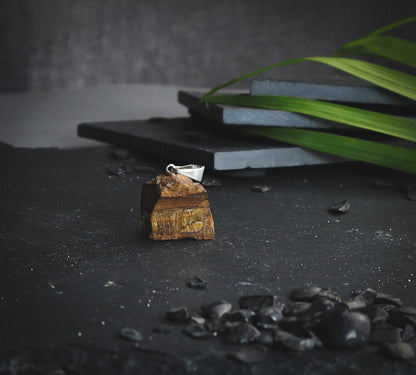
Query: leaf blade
x=399, y=158
x=393, y=25
x=249, y=75
x=401, y=83
x=379, y=122
x=396, y=49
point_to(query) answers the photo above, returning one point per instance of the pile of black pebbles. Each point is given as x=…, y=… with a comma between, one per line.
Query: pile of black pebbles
x=313, y=318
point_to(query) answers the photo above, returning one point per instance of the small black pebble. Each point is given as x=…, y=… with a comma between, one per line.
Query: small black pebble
x=386, y=334
x=119, y=170
x=197, y=331
x=383, y=298
x=257, y=302
x=266, y=337
x=376, y=314
x=197, y=319
x=356, y=304
x=399, y=350
x=296, y=308
x=340, y=208
x=408, y=310
x=345, y=329
x=400, y=319
x=292, y=342
x=411, y=195
x=217, y=325
x=241, y=333
x=330, y=293
x=197, y=283
x=131, y=334
x=248, y=354
x=410, y=188
x=290, y=322
x=408, y=333
x=261, y=188
x=269, y=315
x=367, y=295
x=304, y=293
x=243, y=316
x=216, y=310
x=319, y=307
x=178, y=314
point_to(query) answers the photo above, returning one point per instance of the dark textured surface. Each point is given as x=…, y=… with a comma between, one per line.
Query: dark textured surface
x=49, y=44
x=67, y=228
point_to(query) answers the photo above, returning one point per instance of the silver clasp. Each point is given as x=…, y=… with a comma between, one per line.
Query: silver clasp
x=193, y=171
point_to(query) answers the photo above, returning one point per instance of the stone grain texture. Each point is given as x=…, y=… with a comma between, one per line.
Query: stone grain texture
x=174, y=207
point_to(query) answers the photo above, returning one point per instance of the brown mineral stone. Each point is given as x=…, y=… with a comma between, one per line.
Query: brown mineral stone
x=175, y=207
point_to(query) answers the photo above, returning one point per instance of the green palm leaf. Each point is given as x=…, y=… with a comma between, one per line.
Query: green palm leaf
x=402, y=159
x=399, y=82
x=390, y=47
x=392, y=125
x=390, y=79
x=393, y=25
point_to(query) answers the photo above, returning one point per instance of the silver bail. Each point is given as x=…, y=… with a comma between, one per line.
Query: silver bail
x=193, y=171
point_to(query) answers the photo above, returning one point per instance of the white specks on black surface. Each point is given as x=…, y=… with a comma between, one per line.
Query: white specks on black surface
x=80, y=221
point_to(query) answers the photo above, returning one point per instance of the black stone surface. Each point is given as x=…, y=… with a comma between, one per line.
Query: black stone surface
x=68, y=228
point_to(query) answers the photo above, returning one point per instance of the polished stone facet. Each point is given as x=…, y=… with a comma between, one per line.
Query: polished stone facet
x=174, y=207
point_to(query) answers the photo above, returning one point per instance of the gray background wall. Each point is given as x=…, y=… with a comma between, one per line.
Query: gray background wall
x=52, y=44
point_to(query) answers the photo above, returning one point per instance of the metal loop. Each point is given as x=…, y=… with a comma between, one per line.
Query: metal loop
x=193, y=171
x=170, y=168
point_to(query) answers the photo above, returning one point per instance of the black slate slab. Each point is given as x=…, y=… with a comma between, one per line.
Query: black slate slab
x=185, y=140
x=75, y=271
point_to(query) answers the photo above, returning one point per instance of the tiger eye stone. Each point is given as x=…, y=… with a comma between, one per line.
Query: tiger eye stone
x=175, y=207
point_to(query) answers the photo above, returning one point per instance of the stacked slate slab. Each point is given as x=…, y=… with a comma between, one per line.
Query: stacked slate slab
x=183, y=140
x=230, y=115
x=367, y=97
x=347, y=94
x=208, y=136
